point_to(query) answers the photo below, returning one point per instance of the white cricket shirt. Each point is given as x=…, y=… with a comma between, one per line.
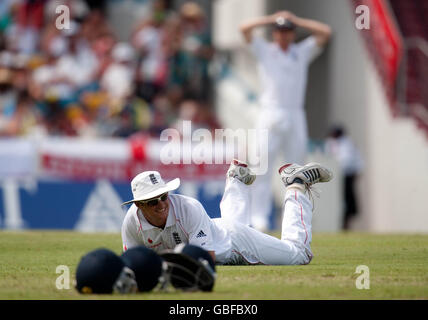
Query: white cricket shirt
x=187, y=222
x=283, y=74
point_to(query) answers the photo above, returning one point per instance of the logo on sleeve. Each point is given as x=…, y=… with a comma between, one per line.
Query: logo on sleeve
x=201, y=234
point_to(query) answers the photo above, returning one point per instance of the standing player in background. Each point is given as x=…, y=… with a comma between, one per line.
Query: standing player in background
x=340, y=145
x=283, y=67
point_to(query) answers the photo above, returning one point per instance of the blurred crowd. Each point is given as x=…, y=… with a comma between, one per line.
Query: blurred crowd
x=82, y=80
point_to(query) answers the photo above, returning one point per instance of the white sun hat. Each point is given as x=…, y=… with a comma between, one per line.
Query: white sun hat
x=150, y=184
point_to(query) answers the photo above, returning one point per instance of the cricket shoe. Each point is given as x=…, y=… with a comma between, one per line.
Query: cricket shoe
x=308, y=174
x=241, y=171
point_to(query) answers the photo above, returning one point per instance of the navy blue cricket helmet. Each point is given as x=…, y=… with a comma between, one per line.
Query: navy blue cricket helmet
x=146, y=264
x=102, y=271
x=190, y=267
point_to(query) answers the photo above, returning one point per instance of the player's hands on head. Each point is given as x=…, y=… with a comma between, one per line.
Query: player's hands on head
x=286, y=15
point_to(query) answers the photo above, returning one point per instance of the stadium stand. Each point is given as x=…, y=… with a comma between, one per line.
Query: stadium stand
x=404, y=77
x=84, y=81
x=411, y=19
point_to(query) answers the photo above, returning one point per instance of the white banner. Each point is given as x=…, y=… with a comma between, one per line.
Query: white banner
x=18, y=158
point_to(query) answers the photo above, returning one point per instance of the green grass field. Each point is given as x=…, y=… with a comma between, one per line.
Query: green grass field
x=398, y=269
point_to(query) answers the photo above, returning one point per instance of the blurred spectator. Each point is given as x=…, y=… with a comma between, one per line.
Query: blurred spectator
x=135, y=117
x=97, y=5
x=117, y=80
x=70, y=67
x=6, y=11
x=150, y=40
x=20, y=72
x=24, y=120
x=188, y=111
x=163, y=115
x=81, y=81
x=95, y=25
x=343, y=149
x=102, y=47
x=199, y=113
x=191, y=60
x=43, y=78
x=78, y=65
x=23, y=30
x=8, y=98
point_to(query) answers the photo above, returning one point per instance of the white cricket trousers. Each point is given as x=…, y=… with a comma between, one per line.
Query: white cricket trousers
x=250, y=246
x=287, y=139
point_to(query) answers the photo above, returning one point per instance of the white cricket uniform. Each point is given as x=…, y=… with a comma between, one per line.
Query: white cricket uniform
x=283, y=75
x=187, y=222
x=230, y=236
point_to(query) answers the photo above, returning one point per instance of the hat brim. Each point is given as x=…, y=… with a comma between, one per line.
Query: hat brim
x=169, y=186
x=284, y=28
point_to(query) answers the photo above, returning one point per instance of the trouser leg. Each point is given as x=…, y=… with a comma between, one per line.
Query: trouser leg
x=235, y=204
x=261, y=201
x=297, y=217
x=261, y=192
x=293, y=248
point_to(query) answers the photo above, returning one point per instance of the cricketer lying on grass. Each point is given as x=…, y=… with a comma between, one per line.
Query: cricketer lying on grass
x=160, y=221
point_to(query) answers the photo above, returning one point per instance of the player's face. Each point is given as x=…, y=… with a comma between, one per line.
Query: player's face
x=155, y=210
x=283, y=37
